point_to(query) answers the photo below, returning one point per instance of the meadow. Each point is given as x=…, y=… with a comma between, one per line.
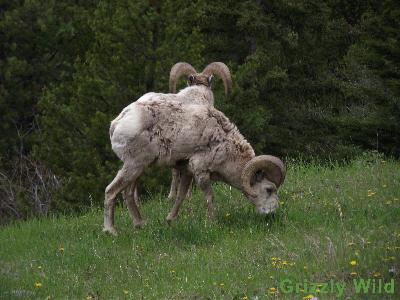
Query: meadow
x=336, y=223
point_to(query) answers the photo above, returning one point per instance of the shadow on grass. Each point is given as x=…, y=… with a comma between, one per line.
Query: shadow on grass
x=200, y=231
x=250, y=219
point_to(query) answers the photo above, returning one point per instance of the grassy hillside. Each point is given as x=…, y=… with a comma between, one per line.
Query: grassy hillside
x=335, y=224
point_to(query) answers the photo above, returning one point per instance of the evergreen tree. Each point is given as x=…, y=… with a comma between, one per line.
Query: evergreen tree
x=136, y=44
x=313, y=78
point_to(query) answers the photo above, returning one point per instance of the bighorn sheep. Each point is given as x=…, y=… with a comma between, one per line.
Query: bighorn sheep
x=197, y=139
x=193, y=78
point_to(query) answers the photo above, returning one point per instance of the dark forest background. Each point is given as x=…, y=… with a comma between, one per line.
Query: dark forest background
x=312, y=79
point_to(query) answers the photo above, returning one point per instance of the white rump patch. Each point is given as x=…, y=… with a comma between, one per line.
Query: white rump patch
x=129, y=125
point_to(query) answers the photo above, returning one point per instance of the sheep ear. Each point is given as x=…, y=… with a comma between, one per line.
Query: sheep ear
x=190, y=80
x=210, y=80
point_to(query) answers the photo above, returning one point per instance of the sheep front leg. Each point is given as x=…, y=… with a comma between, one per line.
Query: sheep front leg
x=174, y=184
x=190, y=188
x=184, y=182
x=204, y=182
x=131, y=200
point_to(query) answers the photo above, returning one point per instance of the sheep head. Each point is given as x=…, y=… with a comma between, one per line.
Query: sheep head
x=261, y=178
x=203, y=78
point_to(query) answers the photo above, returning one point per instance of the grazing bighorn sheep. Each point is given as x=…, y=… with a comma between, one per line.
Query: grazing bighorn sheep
x=204, y=78
x=200, y=141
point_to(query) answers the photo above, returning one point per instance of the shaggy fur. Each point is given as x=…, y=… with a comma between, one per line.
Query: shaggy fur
x=162, y=129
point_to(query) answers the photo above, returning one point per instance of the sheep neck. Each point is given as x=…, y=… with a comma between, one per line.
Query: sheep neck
x=239, y=152
x=197, y=94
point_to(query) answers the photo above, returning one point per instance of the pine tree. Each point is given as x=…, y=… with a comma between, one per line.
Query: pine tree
x=136, y=44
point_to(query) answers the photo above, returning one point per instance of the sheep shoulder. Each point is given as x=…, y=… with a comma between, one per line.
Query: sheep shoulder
x=239, y=144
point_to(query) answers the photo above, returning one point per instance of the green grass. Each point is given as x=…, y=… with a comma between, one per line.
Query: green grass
x=330, y=216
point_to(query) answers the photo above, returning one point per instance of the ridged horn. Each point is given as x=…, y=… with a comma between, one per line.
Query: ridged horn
x=272, y=166
x=177, y=71
x=220, y=69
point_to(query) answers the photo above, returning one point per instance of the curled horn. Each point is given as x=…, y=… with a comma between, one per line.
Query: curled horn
x=271, y=165
x=178, y=70
x=222, y=70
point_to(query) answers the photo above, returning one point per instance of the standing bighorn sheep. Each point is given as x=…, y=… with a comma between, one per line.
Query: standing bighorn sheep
x=193, y=78
x=199, y=140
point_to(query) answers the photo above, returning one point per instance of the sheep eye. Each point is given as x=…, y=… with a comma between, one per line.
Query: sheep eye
x=269, y=190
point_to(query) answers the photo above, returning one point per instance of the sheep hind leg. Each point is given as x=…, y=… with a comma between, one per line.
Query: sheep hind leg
x=124, y=177
x=109, y=203
x=174, y=184
x=184, y=182
x=131, y=200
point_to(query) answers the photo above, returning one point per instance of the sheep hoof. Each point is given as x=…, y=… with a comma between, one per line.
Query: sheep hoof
x=139, y=224
x=170, y=218
x=110, y=230
x=211, y=213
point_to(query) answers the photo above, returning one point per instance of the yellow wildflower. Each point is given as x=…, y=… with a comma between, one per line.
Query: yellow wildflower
x=308, y=297
x=222, y=284
x=227, y=215
x=353, y=263
x=38, y=285
x=126, y=292
x=353, y=273
x=377, y=274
